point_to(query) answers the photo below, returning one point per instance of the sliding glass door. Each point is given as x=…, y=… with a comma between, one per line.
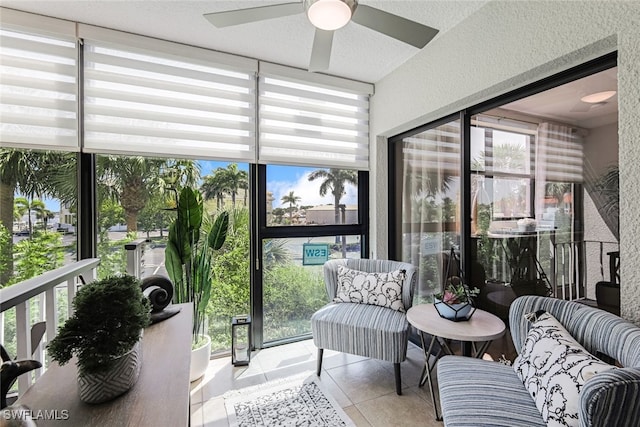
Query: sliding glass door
x=427, y=196
x=524, y=186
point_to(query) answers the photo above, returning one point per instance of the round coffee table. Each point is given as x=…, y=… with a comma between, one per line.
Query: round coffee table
x=483, y=327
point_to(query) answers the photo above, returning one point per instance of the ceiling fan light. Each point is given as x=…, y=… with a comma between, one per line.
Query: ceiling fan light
x=329, y=15
x=599, y=97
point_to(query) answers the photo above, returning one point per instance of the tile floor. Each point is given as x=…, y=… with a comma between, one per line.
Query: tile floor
x=364, y=388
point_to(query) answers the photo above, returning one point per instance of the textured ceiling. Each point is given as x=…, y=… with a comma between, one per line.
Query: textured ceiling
x=358, y=52
x=563, y=103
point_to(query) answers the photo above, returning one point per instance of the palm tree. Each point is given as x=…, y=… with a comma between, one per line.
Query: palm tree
x=25, y=206
x=132, y=180
x=235, y=179
x=44, y=215
x=32, y=173
x=214, y=187
x=293, y=200
x=278, y=213
x=334, y=182
x=225, y=181
x=19, y=171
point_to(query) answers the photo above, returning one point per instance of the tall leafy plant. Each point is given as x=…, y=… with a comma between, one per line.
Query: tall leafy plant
x=189, y=253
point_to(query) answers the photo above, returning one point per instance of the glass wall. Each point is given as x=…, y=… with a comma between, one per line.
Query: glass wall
x=136, y=198
x=311, y=215
x=427, y=165
x=37, y=212
x=540, y=198
x=37, y=224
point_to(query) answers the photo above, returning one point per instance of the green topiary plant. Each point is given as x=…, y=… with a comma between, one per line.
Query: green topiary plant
x=109, y=316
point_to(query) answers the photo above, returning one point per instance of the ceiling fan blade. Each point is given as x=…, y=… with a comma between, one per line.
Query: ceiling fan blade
x=581, y=107
x=321, y=51
x=252, y=14
x=399, y=28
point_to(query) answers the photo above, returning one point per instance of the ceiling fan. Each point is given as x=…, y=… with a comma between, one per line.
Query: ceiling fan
x=328, y=16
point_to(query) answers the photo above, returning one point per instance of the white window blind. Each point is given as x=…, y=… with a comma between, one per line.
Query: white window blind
x=435, y=149
x=38, y=82
x=312, y=122
x=148, y=97
x=559, y=154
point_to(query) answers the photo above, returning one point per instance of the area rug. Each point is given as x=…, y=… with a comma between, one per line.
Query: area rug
x=294, y=401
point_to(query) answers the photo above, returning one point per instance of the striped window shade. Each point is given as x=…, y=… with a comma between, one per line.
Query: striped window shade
x=435, y=149
x=312, y=120
x=559, y=154
x=149, y=97
x=38, y=82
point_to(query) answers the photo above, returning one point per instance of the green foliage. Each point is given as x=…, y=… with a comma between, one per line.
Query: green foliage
x=231, y=276
x=292, y=293
x=188, y=258
x=456, y=292
x=113, y=257
x=5, y=238
x=109, y=315
x=37, y=255
x=111, y=213
x=154, y=216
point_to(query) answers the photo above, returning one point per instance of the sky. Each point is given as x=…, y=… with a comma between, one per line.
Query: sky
x=280, y=181
x=283, y=179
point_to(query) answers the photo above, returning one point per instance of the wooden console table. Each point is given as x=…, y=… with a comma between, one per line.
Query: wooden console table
x=160, y=397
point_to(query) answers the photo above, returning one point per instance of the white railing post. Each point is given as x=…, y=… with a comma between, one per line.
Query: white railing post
x=38, y=352
x=2, y=327
x=23, y=341
x=51, y=313
x=135, y=258
x=71, y=292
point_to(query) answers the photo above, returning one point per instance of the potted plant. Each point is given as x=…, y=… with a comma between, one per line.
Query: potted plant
x=455, y=301
x=188, y=259
x=104, y=334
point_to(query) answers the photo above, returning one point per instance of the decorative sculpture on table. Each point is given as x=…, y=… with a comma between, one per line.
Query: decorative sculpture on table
x=159, y=290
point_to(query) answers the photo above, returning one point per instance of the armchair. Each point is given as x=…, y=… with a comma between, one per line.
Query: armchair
x=364, y=329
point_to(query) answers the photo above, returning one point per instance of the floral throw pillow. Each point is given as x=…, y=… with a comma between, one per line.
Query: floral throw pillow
x=383, y=289
x=554, y=367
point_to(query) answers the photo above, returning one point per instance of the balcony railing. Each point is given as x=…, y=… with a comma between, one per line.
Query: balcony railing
x=37, y=312
x=575, y=265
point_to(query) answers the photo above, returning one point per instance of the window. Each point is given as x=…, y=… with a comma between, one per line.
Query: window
x=136, y=195
x=321, y=214
x=319, y=196
x=38, y=212
x=157, y=115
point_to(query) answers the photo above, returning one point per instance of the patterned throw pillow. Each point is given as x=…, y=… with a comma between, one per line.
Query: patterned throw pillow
x=554, y=367
x=383, y=289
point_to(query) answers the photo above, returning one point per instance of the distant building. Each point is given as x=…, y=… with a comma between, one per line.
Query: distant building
x=325, y=214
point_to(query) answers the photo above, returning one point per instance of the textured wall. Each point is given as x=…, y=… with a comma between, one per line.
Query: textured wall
x=506, y=45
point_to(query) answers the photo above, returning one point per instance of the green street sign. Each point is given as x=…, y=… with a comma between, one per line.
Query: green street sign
x=315, y=253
